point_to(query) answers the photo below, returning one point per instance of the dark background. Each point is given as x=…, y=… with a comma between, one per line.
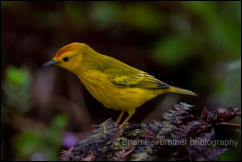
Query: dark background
x=193, y=45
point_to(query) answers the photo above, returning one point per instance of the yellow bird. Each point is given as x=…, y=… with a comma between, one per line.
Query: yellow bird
x=115, y=84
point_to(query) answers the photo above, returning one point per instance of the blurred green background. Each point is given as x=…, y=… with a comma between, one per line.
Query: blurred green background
x=193, y=45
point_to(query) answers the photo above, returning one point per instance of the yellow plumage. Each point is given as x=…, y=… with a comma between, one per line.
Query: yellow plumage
x=113, y=83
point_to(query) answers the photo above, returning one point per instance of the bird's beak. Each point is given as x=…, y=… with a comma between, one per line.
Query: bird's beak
x=51, y=62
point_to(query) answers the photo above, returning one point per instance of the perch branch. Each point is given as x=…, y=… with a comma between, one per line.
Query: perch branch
x=166, y=139
x=230, y=124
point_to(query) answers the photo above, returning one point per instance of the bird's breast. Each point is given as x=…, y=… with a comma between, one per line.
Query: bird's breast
x=113, y=96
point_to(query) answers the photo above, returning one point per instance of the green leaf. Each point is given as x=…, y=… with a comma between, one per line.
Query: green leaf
x=18, y=76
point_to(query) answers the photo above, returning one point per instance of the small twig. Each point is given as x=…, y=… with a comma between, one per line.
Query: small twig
x=66, y=155
x=122, y=154
x=89, y=157
x=230, y=124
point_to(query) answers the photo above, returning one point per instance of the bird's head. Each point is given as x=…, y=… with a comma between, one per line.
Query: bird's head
x=69, y=57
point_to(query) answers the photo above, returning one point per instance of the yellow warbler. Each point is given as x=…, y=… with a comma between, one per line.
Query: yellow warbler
x=113, y=83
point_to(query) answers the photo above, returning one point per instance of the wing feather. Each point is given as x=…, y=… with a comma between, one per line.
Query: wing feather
x=140, y=80
x=124, y=75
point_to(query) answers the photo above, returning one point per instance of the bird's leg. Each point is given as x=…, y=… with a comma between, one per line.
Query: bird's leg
x=125, y=121
x=120, y=118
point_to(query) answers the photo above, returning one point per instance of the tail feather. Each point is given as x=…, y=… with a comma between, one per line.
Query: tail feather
x=181, y=91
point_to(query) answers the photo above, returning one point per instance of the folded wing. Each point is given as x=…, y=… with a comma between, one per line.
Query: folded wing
x=140, y=80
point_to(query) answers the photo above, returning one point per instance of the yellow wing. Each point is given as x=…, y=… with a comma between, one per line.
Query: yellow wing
x=140, y=80
x=124, y=75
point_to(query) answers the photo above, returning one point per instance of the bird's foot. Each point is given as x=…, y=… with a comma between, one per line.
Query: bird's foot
x=123, y=125
x=126, y=124
x=120, y=131
x=120, y=128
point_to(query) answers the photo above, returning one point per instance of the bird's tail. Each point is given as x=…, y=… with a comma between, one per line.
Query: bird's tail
x=181, y=91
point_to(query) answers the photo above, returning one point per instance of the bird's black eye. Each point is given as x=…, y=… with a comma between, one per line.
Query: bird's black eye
x=65, y=59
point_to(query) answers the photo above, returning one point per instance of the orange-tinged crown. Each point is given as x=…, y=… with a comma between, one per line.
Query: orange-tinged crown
x=66, y=48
